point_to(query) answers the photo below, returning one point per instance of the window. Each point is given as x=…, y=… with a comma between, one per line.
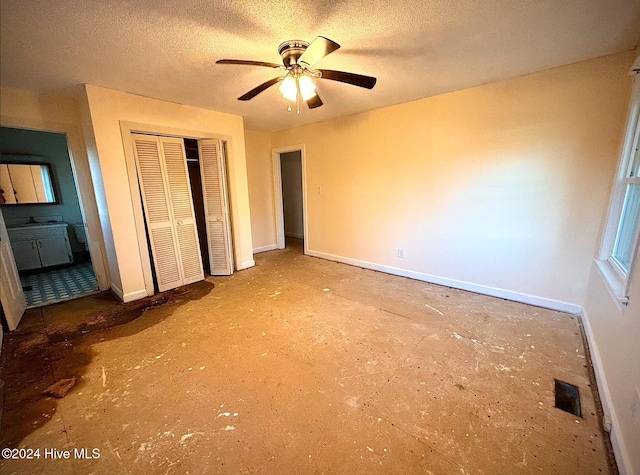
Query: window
x=620, y=243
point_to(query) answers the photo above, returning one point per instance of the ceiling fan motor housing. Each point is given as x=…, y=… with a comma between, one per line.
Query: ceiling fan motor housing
x=291, y=52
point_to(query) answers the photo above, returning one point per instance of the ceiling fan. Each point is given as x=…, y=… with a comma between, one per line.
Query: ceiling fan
x=298, y=60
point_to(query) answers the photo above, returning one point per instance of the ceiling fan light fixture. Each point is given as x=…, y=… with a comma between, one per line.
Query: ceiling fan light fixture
x=307, y=87
x=289, y=88
x=298, y=60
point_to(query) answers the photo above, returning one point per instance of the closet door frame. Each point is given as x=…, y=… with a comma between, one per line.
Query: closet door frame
x=128, y=128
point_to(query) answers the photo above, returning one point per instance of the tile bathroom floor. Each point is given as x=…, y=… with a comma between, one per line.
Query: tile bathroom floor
x=57, y=285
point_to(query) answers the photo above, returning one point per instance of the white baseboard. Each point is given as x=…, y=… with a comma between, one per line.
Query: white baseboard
x=270, y=247
x=295, y=235
x=128, y=297
x=137, y=295
x=247, y=264
x=457, y=284
x=619, y=447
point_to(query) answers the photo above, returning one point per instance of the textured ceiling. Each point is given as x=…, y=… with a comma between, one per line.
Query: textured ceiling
x=166, y=49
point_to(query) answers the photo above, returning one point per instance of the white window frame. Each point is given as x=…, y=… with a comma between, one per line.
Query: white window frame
x=616, y=278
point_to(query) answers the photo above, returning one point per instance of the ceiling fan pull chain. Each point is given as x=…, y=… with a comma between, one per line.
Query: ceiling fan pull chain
x=297, y=96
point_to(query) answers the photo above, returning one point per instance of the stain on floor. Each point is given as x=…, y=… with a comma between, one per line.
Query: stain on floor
x=300, y=365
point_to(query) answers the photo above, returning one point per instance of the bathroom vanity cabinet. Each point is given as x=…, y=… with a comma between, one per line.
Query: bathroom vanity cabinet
x=40, y=245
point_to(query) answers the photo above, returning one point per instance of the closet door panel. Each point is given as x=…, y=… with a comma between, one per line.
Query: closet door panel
x=182, y=209
x=216, y=207
x=157, y=211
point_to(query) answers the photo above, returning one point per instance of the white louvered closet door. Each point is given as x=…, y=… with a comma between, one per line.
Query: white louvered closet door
x=182, y=207
x=215, y=206
x=164, y=184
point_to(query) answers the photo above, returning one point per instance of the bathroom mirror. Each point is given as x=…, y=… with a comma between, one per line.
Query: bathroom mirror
x=26, y=183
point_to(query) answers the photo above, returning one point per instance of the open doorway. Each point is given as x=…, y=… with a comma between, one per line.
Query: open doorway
x=290, y=197
x=44, y=217
x=291, y=173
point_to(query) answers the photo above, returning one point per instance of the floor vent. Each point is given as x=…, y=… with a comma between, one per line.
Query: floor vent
x=568, y=398
x=27, y=288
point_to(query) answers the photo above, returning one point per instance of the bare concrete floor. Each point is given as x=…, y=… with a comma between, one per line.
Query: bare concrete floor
x=300, y=365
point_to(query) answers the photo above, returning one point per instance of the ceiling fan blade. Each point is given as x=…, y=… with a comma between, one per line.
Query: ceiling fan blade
x=248, y=63
x=349, y=78
x=314, y=102
x=318, y=49
x=257, y=90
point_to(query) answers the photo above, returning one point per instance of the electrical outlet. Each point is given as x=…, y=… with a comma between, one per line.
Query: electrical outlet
x=401, y=253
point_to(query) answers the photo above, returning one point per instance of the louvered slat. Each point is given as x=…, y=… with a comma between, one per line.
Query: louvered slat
x=155, y=194
x=180, y=190
x=216, y=234
x=165, y=258
x=190, y=253
x=211, y=177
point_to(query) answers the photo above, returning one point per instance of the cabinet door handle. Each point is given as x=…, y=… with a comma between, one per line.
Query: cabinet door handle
x=40, y=244
x=33, y=244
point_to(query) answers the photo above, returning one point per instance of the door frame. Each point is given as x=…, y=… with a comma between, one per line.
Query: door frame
x=126, y=129
x=84, y=187
x=277, y=193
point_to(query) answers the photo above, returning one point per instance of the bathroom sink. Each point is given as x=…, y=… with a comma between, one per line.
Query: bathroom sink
x=28, y=225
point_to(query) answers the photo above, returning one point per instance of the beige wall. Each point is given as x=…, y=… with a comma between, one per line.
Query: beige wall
x=103, y=110
x=30, y=110
x=615, y=346
x=501, y=186
x=260, y=179
x=614, y=337
x=29, y=105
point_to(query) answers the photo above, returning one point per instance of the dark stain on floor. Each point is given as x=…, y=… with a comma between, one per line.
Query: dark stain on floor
x=42, y=354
